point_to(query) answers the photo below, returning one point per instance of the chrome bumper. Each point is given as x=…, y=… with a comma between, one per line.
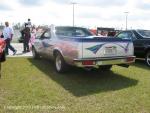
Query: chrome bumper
x=96, y=62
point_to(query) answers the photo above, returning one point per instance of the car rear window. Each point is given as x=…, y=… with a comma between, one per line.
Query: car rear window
x=72, y=32
x=144, y=33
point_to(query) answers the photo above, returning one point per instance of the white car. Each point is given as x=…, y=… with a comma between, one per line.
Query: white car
x=77, y=46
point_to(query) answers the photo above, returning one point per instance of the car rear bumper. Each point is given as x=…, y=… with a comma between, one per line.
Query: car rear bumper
x=95, y=62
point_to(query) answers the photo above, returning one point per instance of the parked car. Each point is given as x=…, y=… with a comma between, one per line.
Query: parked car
x=78, y=47
x=141, y=41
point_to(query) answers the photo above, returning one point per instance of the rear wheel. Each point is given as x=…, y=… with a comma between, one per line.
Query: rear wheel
x=60, y=64
x=147, y=58
x=105, y=68
x=35, y=54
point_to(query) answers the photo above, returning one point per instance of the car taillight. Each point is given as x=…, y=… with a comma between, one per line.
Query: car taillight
x=130, y=59
x=88, y=62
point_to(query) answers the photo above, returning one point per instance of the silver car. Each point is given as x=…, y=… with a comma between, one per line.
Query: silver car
x=78, y=47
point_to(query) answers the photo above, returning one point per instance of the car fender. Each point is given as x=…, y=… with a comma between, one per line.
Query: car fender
x=56, y=49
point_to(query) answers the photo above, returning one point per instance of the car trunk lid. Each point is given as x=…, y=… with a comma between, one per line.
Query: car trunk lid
x=100, y=47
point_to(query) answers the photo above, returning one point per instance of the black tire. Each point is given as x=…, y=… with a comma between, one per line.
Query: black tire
x=3, y=57
x=147, y=58
x=60, y=64
x=105, y=68
x=35, y=54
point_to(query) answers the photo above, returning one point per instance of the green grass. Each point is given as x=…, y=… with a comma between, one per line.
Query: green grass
x=29, y=82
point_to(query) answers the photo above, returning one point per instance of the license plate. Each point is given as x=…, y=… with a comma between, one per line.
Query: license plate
x=110, y=50
x=118, y=61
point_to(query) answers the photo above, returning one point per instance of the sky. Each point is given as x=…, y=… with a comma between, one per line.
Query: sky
x=87, y=13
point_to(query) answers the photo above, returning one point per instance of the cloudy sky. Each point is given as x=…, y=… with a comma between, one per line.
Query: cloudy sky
x=88, y=13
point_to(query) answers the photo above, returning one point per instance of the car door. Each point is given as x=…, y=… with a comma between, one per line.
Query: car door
x=139, y=47
x=46, y=42
x=38, y=43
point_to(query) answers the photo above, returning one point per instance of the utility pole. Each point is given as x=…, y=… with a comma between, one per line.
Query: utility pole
x=126, y=13
x=73, y=5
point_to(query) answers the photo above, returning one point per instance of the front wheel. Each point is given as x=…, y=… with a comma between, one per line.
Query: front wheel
x=35, y=54
x=147, y=58
x=60, y=64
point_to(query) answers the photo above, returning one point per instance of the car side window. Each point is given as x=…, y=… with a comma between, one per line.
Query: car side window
x=133, y=36
x=125, y=35
x=79, y=32
x=122, y=35
x=46, y=35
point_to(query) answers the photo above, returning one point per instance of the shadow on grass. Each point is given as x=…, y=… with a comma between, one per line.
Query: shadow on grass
x=141, y=64
x=81, y=82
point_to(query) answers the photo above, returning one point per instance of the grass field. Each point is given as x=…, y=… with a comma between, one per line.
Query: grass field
x=33, y=86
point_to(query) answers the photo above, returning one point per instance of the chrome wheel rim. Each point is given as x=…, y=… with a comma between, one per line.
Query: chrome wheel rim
x=58, y=63
x=148, y=59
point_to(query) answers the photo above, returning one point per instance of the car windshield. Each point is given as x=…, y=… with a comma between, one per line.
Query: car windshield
x=72, y=32
x=144, y=33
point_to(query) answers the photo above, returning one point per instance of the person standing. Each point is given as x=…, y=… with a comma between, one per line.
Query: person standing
x=8, y=35
x=33, y=35
x=26, y=38
x=29, y=23
x=2, y=53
